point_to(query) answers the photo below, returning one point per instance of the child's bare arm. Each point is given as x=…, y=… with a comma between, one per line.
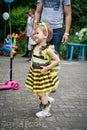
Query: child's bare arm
x=55, y=61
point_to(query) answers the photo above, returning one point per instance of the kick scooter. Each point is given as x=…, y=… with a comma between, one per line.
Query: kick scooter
x=10, y=83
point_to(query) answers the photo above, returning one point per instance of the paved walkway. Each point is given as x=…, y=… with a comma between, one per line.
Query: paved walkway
x=18, y=107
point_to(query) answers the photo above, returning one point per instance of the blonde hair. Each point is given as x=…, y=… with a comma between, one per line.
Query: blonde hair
x=9, y=36
x=46, y=29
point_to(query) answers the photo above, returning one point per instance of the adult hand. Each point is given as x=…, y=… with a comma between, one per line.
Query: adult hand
x=65, y=38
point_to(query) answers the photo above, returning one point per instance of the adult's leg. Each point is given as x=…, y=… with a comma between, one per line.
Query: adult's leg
x=56, y=40
x=57, y=37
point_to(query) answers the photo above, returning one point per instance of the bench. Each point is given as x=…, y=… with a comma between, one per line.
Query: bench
x=70, y=48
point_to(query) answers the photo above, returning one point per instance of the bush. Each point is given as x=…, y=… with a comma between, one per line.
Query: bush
x=22, y=46
x=63, y=48
x=18, y=19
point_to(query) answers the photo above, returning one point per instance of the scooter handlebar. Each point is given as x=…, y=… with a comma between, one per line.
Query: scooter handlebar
x=11, y=46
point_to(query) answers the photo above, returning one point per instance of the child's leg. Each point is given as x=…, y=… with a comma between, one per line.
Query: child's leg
x=44, y=99
x=50, y=99
x=45, y=106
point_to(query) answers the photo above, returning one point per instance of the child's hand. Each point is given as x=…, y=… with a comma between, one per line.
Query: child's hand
x=5, y=40
x=43, y=69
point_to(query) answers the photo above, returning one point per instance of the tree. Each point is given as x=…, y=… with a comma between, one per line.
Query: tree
x=79, y=13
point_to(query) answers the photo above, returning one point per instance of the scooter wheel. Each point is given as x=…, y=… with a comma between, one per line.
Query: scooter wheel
x=6, y=82
x=16, y=86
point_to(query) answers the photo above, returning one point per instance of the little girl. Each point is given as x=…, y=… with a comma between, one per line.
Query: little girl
x=42, y=77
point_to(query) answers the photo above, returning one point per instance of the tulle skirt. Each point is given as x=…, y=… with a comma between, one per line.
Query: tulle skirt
x=38, y=82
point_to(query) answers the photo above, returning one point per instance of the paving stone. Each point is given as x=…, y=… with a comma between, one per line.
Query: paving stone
x=18, y=107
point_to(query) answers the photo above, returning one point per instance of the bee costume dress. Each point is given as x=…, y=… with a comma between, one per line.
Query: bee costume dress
x=38, y=82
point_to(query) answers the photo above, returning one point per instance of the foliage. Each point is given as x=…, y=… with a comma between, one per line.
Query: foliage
x=17, y=24
x=84, y=40
x=24, y=3
x=18, y=19
x=79, y=13
x=82, y=35
x=63, y=48
x=22, y=46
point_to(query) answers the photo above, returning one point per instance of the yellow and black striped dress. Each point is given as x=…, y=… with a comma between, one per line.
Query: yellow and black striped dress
x=38, y=82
